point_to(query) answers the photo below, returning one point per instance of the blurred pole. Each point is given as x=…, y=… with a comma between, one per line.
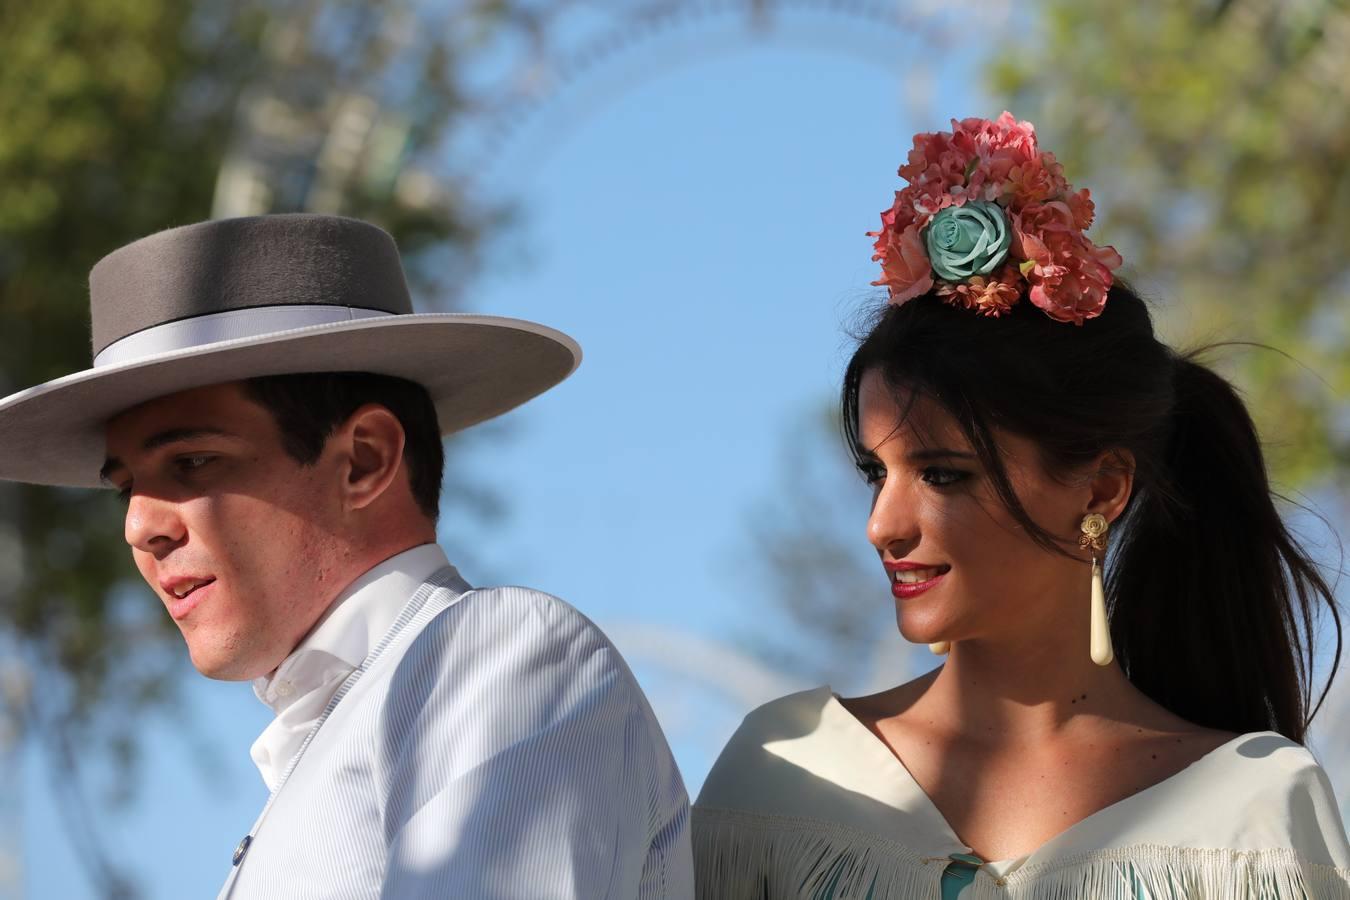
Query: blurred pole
x=14, y=688
x=301, y=147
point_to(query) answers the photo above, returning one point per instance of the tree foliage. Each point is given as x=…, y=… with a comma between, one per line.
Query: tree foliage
x=1215, y=136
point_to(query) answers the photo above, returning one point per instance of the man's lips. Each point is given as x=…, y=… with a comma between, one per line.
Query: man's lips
x=185, y=592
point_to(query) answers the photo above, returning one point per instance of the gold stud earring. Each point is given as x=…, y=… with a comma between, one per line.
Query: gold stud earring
x=941, y=648
x=1094, y=530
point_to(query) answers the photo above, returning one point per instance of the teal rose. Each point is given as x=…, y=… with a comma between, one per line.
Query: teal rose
x=968, y=240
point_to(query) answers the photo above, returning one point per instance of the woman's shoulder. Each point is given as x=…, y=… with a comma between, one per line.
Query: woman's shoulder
x=796, y=712
x=1280, y=776
x=806, y=744
x=789, y=716
x=1266, y=766
x=806, y=760
x=1255, y=792
x=762, y=759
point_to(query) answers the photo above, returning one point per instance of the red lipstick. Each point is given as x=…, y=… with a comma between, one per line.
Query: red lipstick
x=904, y=584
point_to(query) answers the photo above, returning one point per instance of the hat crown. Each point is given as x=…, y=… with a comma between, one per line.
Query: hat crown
x=232, y=264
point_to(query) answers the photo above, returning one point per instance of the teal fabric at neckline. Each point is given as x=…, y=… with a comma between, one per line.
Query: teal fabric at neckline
x=958, y=874
x=961, y=872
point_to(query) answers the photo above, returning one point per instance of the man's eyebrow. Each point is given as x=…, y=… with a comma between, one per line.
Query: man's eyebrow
x=174, y=435
x=161, y=439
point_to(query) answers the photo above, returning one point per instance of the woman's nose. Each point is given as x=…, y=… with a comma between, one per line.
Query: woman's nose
x=893, y=522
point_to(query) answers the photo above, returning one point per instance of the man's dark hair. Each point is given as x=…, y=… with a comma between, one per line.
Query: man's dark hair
x=309, y=407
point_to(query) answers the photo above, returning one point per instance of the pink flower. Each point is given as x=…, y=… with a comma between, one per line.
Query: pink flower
x=905, y=269
x=1033, y=228
x=1004, y=136
x=1083, y=209
x=934, y=162
x=1068, y=274
x=900, y=215
x=1005, y=133
x=1035, y=180
x=927, y=200
x=998, y=146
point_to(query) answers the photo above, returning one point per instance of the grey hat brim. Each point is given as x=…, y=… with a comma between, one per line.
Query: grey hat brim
x=475, y=367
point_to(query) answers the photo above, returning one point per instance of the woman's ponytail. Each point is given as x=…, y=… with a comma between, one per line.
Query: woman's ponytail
x=1213, y=602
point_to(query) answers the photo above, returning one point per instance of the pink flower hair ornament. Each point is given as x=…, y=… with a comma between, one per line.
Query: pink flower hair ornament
x=987, y=217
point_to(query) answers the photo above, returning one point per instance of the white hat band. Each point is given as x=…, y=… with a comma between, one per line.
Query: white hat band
x=213, y=328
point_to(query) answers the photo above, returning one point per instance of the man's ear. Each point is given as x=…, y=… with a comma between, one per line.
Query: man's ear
x=371, y=446
x=1112, y=484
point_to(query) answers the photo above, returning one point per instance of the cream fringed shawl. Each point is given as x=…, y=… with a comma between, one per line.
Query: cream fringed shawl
x=805, y=802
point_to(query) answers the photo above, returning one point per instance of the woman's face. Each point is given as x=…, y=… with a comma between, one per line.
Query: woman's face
x=961, y=568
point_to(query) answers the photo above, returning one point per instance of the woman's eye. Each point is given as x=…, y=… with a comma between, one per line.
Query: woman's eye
x=124, y=495
x=940, y=477
x=872, y=473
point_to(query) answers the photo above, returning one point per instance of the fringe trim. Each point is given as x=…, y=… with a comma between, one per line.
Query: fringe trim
x=751, y=856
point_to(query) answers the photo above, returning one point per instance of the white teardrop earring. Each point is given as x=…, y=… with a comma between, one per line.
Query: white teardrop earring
x=941, y=648
x=1094, y=530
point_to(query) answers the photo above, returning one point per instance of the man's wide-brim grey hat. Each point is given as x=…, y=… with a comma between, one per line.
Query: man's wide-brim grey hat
x=267, y=295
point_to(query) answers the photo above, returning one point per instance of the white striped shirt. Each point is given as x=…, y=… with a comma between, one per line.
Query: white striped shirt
x=491, y=744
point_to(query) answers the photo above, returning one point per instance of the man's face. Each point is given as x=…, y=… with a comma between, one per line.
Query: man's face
x=235, y=537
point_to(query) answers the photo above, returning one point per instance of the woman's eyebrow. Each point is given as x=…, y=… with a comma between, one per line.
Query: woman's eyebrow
x=935, y=453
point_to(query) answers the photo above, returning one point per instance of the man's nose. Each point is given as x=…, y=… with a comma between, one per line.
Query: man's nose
x=153, y=525
x=893, y=523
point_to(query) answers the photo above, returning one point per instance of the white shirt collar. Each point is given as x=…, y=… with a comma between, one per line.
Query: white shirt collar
x=300, y=688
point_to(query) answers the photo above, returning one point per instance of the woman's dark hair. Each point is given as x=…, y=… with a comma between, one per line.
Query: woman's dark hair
x=309, y=407
x=1212, y=602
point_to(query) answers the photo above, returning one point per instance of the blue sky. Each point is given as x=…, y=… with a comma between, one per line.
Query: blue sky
x=701, y=233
